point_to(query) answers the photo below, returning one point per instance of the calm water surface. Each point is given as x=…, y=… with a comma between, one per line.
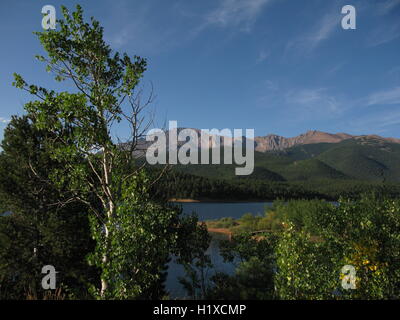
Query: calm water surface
x=211, y=211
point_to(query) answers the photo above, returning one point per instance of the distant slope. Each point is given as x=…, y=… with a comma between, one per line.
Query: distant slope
x=311, y=169
x=365, y=158
x=313, y=156
x=306, y=151
x=228, y=172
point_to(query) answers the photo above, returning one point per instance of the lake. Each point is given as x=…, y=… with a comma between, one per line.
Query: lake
x=211, y=211
x=217, y=210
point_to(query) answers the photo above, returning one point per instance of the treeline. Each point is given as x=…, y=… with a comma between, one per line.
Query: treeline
x=179, y=185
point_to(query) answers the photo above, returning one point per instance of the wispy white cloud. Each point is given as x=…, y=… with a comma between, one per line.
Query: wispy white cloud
x=314, y=98
x=270, y=95
x=387, y=6
x=271, y=85
x=4, y=120
x=322, y=31
x=386, y=97
x=384, y=34
x=141, y=29
x=326, y=27
x=302, y=102
x=334, y=69
x=127, y=27
x=263, y=55
x=378, y=123
x=237, y=13
x=388, y=120
x=319, y=103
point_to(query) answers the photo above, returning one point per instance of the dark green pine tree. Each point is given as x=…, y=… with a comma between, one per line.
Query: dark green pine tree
x=39, y=232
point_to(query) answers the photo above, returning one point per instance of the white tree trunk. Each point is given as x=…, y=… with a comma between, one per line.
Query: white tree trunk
x=104, y=282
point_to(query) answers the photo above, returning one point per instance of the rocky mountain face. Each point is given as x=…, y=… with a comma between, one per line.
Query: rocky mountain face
x=276, y=143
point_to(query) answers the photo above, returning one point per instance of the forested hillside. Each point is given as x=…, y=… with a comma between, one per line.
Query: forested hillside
x=361, y=158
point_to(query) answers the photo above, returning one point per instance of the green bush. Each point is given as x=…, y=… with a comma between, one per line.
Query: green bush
x=319, y=240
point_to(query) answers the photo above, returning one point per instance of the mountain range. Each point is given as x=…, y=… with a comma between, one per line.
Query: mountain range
x=274, y=142
x=316, y=156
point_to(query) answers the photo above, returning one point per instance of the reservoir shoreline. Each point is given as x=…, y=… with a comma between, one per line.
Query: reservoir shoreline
x=218, y=201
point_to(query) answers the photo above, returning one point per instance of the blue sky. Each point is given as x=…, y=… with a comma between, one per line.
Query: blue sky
x=278, y=66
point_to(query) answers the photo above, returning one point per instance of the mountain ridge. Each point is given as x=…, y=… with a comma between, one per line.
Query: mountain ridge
x=273, y=142
x=362, y=158
x=270, y=142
